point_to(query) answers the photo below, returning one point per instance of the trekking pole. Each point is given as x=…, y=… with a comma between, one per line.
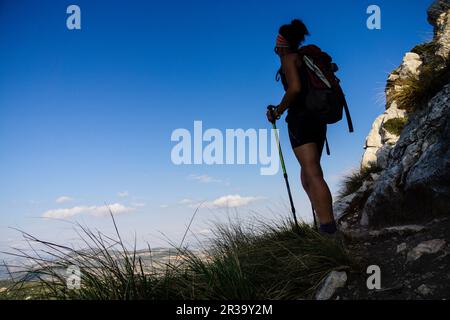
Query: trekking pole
x=270, y=108
x=314, y=216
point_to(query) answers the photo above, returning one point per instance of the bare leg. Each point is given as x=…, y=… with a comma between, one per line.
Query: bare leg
x=313, y=182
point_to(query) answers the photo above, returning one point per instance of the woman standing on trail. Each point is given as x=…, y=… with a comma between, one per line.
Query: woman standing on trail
x=307, y=133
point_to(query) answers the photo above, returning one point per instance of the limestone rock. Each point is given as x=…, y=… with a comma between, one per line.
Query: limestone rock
x=334, y=281
x=410, y=65
x=379, y=141
x=388, y=138
x=398, y=230
x=424, y=290
x=340, y=206
x=374, y=138
x=436, y=9
x=416, y=178
x=406, y=229
x=439, y=17
x=382, y=155
x=385, y=198
x=369, y=157
x=426, y=247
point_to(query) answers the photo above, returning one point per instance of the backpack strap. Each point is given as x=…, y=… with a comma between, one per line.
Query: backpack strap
x=347, y=114
x=346, y=109
x=327, y=146
x=310, y=64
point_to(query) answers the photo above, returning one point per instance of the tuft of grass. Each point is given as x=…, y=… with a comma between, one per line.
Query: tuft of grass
x=355, y=180
x=416, y=91
x=395, y=125
x=272, y=260
x=269, y=261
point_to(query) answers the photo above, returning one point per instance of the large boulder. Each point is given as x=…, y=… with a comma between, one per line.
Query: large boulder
x=416, y=181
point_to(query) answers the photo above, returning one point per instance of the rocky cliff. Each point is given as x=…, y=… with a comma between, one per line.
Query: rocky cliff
x=407, y=151
x=395, y=211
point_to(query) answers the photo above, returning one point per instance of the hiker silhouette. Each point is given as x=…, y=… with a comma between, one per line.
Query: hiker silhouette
x=313, y=98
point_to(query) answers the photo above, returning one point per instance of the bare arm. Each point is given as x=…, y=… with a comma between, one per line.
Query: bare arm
x=289, y=65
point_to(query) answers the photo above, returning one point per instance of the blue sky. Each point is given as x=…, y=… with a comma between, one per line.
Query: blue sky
x=88, y=114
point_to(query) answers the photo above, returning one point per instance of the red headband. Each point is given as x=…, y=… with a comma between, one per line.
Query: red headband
x=281, y=42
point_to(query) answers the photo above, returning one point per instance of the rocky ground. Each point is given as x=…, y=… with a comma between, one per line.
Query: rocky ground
x=414, y=262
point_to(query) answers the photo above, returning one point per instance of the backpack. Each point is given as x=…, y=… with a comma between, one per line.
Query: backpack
x=325, y=96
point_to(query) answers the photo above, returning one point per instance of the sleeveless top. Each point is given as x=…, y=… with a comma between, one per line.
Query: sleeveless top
x=298, y=108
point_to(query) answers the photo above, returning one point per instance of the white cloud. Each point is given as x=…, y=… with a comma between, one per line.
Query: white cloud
x=63, y=199
x=123, y=194
x=138, y=204
x=98, y=211
x=228, y=201
x=203, y=178
x=231, y=201
x=186, y=201
x=205, y=231
x=163, y=206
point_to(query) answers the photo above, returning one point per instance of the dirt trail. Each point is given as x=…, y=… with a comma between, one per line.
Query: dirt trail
x=427, y=277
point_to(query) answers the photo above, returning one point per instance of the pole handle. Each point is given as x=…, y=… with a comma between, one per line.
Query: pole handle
x=271, y=108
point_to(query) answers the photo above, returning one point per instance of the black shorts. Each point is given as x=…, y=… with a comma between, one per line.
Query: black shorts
x=307, y=129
